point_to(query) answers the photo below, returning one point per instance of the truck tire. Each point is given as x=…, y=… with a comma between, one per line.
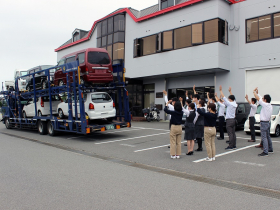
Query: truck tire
x=42, y=127
x=7, y=123
x=51, y=130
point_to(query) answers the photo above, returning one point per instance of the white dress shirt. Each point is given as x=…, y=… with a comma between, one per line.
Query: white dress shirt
x=253, y=110
x=170, y=106
x=187, y=112
x=266, y=111
x=231, y=108
x=221, y=109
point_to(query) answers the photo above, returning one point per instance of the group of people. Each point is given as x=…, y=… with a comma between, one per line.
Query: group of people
x=201, y=122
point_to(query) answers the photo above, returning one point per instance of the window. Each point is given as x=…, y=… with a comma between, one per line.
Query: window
x=95, y=57
x=104, y=41
x=265, y=27
x=99, y=29
x=61, y=62
x=118, y=51
x=211, y=29
x=119, y=23
x=182, y=37
x=138, y=46
x=166, y=3
x=197, y=35
x=240, y=109
x=167, y=43
x=276, y=19
x=149, y=45
x=110, y=39
x=71, y=59
x=109, y=50
x=110, y=25
x=119, y=37
x=76, y=36
x=81, y=58
x=99, y=42
x=101, y=98
x=104, y=27
x=252, y=30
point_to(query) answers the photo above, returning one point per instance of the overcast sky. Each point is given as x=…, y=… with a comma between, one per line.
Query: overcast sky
x=31, y=29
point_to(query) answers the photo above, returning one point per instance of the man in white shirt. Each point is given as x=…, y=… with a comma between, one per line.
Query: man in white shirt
x=252, y=119
x=231, y=105
x=221, y=116
x=265, y=117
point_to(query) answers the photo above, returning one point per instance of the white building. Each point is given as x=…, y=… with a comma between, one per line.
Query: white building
x=180, y=43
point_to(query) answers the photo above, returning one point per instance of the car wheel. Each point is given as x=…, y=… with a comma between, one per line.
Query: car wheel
x=51, y=130
x=60, y=83
x=277, y=131
x=44, y=84
x=60, y=114
x=40, y=114
x=42, y=127
x=24, y=115
x=7, y=123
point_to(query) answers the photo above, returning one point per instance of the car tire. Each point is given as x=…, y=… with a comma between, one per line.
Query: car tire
x=61, y=114
x=24, y=115
x=40, y=114
x=7, y=123
x=42, y=127
x=51, y=130
x=277, y=131
x=44, y=84
x=60, y=83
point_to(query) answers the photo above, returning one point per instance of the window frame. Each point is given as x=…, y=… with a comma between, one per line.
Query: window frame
x=174, y=40
x=162, y=41
x=274, y=25
x=155, y=45
x=196, y=44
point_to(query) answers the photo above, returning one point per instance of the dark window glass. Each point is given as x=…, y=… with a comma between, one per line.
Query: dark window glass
x=119, y=23
x=166, y=3
x=104, y=41
x=240, y=109
x=163, y=4
x=183, y=37
x=167, y=43
x=99, y=29
x=99, y=42
x=110, y=25
x=170, y=3
x=119, y=37
x=101, y=98
x=149, y=45
x=110, y=50
x=265, y=27
x=118, y=51
x=276, y=18
x=252, y=30
x=197, y=35
x=54, y=98
x=110, y=39
x=76, y=37
x=138, y=46
x=104, y=27
x=71, y=59
x=81, y=58
x=211, y=29
x=98, y=58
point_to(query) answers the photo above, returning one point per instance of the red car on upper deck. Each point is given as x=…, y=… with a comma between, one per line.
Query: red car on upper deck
x=95, y=64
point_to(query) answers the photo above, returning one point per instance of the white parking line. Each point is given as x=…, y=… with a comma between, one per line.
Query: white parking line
x=141, y=150
x=226, y=153
x=156, y=129
x=251, y=164
x=119, y=131
x=138, y=137
x=245, y=138
x=127, y=145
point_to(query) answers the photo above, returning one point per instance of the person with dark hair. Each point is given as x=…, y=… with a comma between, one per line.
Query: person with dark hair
x=189, y=127
x=209, y=130
x=176, y=129
x=199, y=126
x=230, y=118
x=265, y=117
x=252, y=119
x=221, y=116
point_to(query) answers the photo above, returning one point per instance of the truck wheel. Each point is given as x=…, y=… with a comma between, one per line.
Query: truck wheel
x=51, y=130
x=7, y=123
x=42, y=127
x=277, y=131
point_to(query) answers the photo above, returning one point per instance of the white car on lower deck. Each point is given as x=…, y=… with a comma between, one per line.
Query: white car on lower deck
x=275, y=120
x=98, y=105
x=43, y=106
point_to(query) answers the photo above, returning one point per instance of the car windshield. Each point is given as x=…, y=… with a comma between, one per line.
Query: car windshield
x=23, y=73
x=98, y=58
x=46, y=67
x=275, y=109
x=101, y=98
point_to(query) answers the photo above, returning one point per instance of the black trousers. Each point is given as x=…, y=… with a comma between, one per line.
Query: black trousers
x=221, y=126
x=230, y=125
x=252, y=122
x=199, y=142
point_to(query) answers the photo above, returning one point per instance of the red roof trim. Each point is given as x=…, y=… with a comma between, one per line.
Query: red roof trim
x=169, y=9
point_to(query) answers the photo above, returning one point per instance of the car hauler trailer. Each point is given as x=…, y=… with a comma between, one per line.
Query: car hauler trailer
x=12, y=115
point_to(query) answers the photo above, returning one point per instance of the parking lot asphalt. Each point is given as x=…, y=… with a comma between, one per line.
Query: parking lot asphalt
x=146, y=143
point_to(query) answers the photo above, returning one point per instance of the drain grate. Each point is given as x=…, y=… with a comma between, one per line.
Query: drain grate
x=220, y=183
